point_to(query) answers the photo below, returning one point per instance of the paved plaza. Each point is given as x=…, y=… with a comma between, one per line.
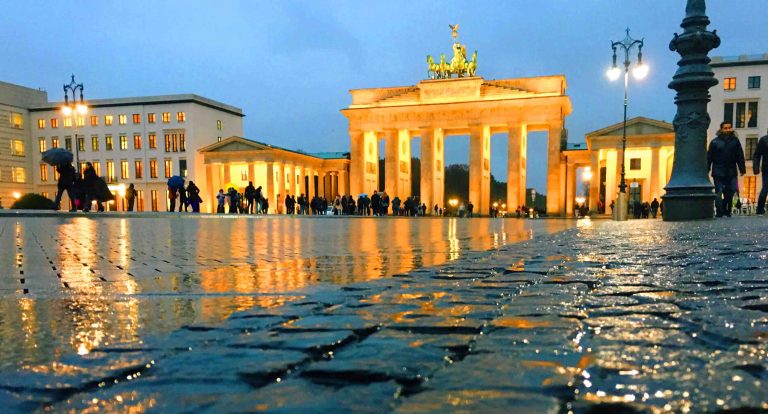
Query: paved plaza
x=600, y=317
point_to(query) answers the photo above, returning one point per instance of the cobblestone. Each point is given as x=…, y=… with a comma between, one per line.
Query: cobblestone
x=636, y=317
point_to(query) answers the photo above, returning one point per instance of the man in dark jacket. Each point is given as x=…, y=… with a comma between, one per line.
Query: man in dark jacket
x=725, y=158
x=66, y=181
x=760, y=164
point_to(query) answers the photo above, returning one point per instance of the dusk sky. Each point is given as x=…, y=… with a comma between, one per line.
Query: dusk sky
x=289, y=64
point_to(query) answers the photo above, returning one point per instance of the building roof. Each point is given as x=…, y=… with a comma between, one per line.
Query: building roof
x=250, y=144
x=149, y=100
x=741, y=60
x=638, y=126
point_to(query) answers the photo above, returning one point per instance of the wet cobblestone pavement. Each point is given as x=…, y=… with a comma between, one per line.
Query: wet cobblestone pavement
x=632, y=317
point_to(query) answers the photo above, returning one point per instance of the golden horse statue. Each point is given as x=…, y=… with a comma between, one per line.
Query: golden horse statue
x=437, y=70
x=472, y=65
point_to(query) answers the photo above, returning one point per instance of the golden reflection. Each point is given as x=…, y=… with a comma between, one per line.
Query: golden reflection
x=119, y=280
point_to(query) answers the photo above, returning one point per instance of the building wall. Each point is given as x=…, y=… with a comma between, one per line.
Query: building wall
x=16, y=166
x=199, y=128
x=741, y=69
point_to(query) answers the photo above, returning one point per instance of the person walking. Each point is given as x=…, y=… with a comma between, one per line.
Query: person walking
x=725, y=160
x=654, y=207
x=258, y=199
x=183, y=199
x=470, y=209
x=193, y=196
x=221, y=199
x=66, y=183
x=130, y=196
x=250, y=194
x=760, y=165
x=172, y=194
x=90, y=184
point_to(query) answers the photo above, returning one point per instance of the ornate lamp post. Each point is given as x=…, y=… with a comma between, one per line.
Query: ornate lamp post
x=76, y=109
x=639, y=71
x=690, y=195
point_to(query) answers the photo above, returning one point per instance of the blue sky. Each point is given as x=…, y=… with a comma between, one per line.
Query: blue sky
x=290, y=64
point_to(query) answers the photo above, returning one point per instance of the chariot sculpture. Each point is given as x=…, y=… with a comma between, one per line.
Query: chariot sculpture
x=459, y=65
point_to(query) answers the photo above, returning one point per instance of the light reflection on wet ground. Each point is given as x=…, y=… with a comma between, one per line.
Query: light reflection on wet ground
x=72, y=284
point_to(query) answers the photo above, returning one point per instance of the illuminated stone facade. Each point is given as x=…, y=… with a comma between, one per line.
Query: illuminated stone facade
x=436, y=109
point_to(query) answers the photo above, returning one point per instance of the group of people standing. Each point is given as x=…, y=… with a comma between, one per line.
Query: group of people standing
x=82, y=190
x=249, y=202
x=188, y=197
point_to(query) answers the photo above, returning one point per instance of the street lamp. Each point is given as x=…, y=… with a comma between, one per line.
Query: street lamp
x=640, y=71
x=76, y=108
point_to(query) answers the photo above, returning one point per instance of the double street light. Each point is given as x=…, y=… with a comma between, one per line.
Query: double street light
x=76, y=108
x=639, y=71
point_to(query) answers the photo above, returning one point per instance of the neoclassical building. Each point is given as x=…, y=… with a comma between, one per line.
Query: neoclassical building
x=436, y=109
x=235, y=161
x=647, y=162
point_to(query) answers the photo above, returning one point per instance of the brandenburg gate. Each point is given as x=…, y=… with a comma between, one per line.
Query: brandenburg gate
x=437, y=108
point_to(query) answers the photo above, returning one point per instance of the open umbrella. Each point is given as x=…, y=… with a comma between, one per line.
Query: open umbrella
x=229, y=185
x=363, y=195
x=57, y=156
x=176, y=182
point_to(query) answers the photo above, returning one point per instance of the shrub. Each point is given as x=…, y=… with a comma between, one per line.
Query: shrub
x=33, y=202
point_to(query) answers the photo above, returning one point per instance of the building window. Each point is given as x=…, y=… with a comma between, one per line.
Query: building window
x=153, y=196
x=218, y=139
x=122, y=119
x=17, y=121
x=123, y=142
x=54, y=123
x=151, y=118
x=54, y=142
x=41, y=144
x=137, y=141
x=152, y=141
x=82, y=166
x=152, y=168
x=218, y=125
x=750, y=188
x=167, y=142
x=43, y=172
x=108, y=144
x=138, y=169
x=80, y=121
x=749, y=147
x=44, y=194
x=751, y=114
x=243, y=175
x=753, y=82
x=168, y=168
x=183, y=168
x=136, y=119
x=728, y=113
x=107, y=120
x=741, y=114
x=41, y=124
x=634, y=164
x=110, y=171
x=181, y=116
x=124, y=169
x=96, y=167
x=68, y=143
x=175, y=142
x=166, y=117
x=67, y=122
x=94, y=142
x=182, y=142
x=18, y=175
x=140, y=200
x=17, y=147
x=729, y=84
x=94, y=120
x=80, y=142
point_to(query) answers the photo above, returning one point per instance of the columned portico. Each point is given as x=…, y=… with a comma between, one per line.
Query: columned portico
x=397, y=163
x=435, y=109
x=516, y=156
x=480, y=168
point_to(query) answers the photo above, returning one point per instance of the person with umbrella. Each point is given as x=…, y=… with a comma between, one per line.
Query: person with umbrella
x=175, y=185
x=61, y=159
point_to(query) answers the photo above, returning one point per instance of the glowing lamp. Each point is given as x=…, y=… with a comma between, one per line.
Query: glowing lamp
x=640, y=71
x=67, y=111
x=613, y=73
